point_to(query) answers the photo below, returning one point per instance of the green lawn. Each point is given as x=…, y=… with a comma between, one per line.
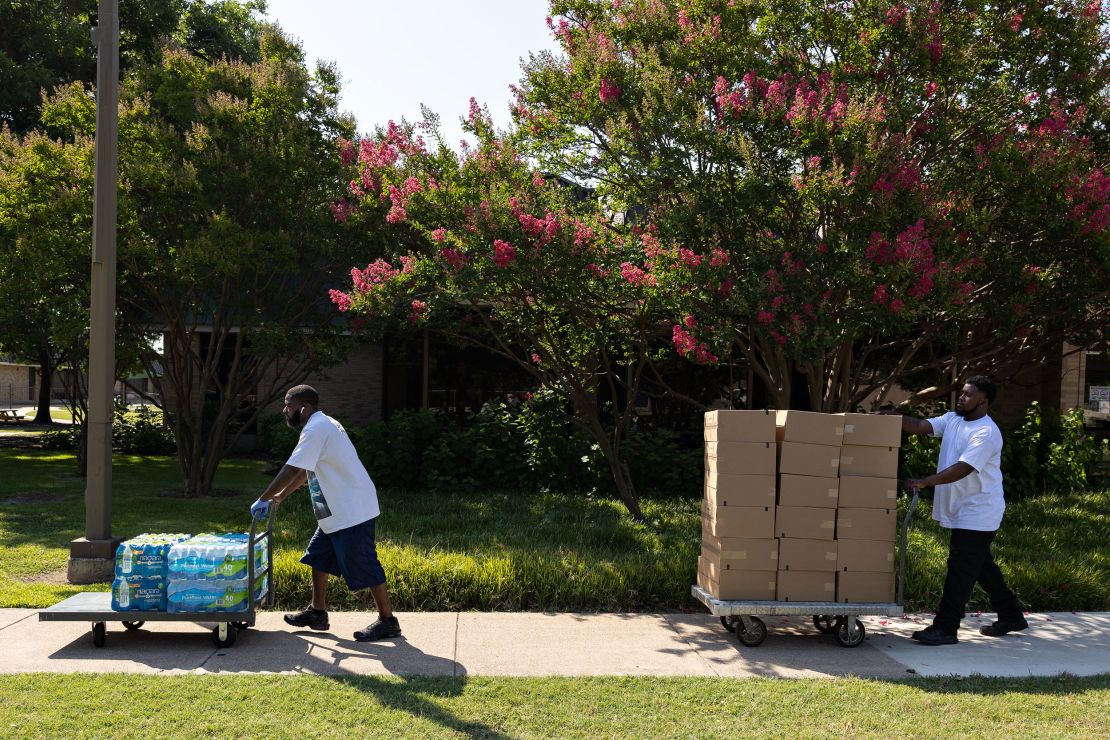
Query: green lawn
x=42, y=705
x=502, y=550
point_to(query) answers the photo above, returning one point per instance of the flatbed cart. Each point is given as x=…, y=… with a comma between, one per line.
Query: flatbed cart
x=96, y=606
x=829, y=617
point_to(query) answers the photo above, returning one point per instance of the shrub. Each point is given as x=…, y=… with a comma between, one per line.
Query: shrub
x=140, y=432
x=63, y=438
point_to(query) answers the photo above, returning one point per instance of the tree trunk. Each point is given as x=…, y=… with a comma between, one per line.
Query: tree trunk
x=46, y=369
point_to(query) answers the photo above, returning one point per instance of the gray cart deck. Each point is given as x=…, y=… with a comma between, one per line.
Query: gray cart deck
x=830, y=617
x=96, y=606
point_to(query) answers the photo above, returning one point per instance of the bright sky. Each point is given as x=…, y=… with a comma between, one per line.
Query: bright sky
x=393, y=56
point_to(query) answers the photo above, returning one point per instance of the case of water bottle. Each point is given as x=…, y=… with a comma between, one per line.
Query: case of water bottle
x=182, y=573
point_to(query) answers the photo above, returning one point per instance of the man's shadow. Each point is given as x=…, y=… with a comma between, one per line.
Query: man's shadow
x=421, y=676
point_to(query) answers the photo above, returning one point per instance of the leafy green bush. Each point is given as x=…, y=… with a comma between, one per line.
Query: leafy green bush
x=140, y=432
x=61, y=438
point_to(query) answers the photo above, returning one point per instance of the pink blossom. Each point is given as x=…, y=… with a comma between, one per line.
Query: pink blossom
x=340, y=299
x=347, y=153
x=408, y=263
x=454, y=258
x=439, y=235
x=1015, y=22
x=418, y=308
x=725, y=288
x=636, y=276
x=537, y=180
x=895, y=15
x=597, y=271
x=342, y=209
x=718, y=257
x=880, y=296
x=535, y=358
x=930, y=89
x=377, y=272
x=690, y=321
x=609, y=92
x=689, y=258
x=503, y=253
x=397, y=214
x=765, y=317
x=778, y=300
x=583, y=234
x=896, y=305
x=690, y=347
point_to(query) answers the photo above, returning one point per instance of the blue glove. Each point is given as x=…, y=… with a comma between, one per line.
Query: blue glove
x=260, y=508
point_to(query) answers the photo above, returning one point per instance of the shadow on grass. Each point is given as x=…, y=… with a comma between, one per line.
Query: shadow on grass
x=1064, y=685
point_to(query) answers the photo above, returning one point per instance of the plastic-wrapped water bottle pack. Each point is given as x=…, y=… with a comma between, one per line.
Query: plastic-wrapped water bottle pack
x=181, y=573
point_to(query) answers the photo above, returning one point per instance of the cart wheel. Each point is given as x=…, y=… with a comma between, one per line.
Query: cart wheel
x=729, y=623
x=224, y=635
x=824, y=623
x=133, y=625
x=100, y=634
x=847, y=638
x=241, y=625
x=751, y=637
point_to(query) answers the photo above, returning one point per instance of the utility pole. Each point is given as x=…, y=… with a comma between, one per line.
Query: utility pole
x=91, y=558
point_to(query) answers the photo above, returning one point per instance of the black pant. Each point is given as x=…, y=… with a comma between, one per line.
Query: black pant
x=969, y=560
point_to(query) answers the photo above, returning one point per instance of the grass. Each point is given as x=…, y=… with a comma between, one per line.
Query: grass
x=503, y=551
x=44, y=705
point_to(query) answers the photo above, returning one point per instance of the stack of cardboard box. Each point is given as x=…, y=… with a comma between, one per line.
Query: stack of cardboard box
x=799, y=506
x=866, y=517
x=739, y=553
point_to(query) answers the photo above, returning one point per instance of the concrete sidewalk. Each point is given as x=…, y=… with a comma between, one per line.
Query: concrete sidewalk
x=531, y=644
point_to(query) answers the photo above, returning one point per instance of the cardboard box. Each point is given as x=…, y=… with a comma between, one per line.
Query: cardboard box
x=811, y=555
x=857, y=492
x=872, y=430
x=809, y=427
x=864, y=556
x=740, y=490
x=731, y=553
x=802, y=458
x=727, y=425
x=805, y=523
x=808, y=490
x=866, y=524
x=759, y=585
x=871, y=462
x=802, y=585
x=865, y=588
x=740, y=522
x=739, y=458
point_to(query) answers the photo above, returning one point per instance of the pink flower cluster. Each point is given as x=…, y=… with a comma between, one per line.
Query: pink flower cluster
x=543, y=230
x=347, y=153
x=609, y=92
x=340, y=299
x=1090, y=201
x=801, y=100
x=376, y=273
x=503, y=253
x=690, y=347
x=417, y=312
x=636, y=276
x=342, y=209
x=718, y=257
x=453, y=257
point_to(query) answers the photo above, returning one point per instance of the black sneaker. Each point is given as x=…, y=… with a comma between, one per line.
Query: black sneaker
x=382, y=629
x=314, y=619
x=1004, y=627
x=933, y=636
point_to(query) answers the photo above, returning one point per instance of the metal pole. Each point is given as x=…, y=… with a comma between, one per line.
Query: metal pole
x=98, y=543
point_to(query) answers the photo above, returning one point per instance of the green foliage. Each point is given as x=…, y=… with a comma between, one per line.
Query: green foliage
x=141, y=432
x=1049, y=454
x=61, y=438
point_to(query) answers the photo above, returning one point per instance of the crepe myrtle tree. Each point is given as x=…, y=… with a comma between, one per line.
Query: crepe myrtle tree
x=509, y=260
x=900, y=190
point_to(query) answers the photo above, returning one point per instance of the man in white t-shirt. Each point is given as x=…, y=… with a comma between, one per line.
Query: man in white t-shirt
x=345, y=502
x=968, y=500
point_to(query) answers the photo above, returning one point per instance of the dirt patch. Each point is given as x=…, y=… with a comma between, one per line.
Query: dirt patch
x=30, y=499
x=58, y=577
x=214, y=493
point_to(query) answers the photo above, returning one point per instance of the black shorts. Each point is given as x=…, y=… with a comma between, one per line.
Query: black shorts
x=351, y=553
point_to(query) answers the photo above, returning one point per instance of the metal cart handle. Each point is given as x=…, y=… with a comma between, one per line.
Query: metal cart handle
x=267, y=599
x=902, y=550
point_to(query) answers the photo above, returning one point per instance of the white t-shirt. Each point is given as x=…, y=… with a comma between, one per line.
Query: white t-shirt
x=976, y=501
x=342, y=493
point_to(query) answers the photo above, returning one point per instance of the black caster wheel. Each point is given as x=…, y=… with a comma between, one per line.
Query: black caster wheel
x=224, y=634
x=754, y=636
x=849, y=639
x=824, y=623
x=729, y=623
x=100, y=634
x=133, y=625
x=240, y=626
